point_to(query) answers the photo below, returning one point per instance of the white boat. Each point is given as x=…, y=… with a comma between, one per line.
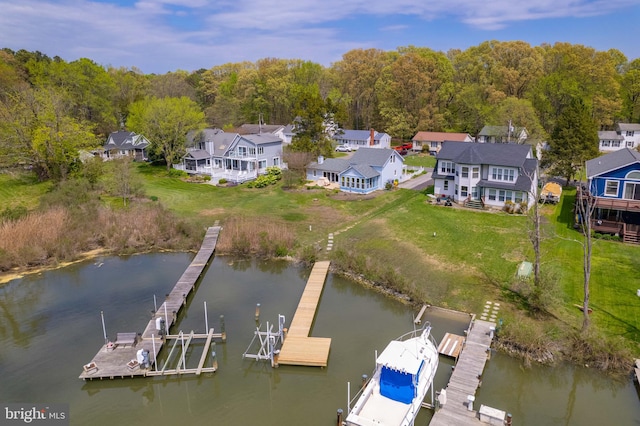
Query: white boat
x=403, y=375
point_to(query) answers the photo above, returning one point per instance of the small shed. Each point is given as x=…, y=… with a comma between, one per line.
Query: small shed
x=524, y=270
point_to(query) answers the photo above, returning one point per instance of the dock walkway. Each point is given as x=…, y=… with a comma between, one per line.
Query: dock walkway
x=298, y=348
x=465, y=379
x=114, y=361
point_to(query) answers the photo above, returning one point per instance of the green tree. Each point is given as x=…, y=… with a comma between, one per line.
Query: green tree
x=165, y=123
x=574, y=140
x=630, y=89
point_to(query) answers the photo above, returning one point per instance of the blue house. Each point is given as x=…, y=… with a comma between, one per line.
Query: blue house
x=367, y=170
x=614, y=180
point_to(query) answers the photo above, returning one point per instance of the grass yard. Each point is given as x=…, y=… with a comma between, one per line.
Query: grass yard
x=424, y=160
x=21, y=190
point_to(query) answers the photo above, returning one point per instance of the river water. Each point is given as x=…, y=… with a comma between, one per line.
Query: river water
x=50, y=325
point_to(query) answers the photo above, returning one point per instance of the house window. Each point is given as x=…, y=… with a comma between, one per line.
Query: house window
x=605, y=143
x=629, y=132
x=465, y=172
x=498, y=173
x=446, y=167
x=518, y=198
x=446, y=185
x=456, y=189
x=260, y=150
x=252, y=151
x=615, y=144
x=634, y=175
x=434, y=144
x=632, y=191
x=314, y=173
x=509, y=195
x=611, y=188
x=276, y=161
x=474, y=192
x=262, y=164
x=630, y=144
x=475, y=172
x=492, y=194
x=242, y=151
x=464, y=191
x=501, y=195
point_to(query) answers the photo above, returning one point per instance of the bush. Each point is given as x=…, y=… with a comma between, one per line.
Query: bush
x=153, y=198
x=175, y=173
x=222, y=181
x=509, y=207
x=14, y=213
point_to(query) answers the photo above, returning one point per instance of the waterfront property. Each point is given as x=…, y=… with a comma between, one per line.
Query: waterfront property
x=625, y=135
x=432, y=141
x=231, y=156
x=131, y=353
x=125, y=144
x=367, y=170
x=486, y=175
x=614, y=181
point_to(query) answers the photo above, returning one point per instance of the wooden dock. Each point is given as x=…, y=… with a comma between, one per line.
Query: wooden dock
x=451, y=345
x=118, y=361
x=465, y=379
x=298, y=348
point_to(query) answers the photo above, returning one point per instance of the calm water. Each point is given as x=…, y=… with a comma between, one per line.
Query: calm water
x=50, y=326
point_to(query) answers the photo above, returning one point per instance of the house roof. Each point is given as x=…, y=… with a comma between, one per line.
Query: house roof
x=336, y=165
x=610, y=135
x=441, y=137
x=611, y=161
x=358, y=135
x=262, y=138
x=373, y=156
x=628, y=126
x=260, y=128
x=198, y=154
x=504, y=154
x=364, y=170
x=123, y=139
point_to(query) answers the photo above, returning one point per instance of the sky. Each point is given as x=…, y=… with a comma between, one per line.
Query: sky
x=159, y=36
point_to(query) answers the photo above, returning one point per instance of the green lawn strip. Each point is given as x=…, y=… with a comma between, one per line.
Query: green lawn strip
x=424, y=160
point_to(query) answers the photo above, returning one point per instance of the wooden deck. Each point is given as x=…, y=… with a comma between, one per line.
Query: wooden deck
x=451, y=345
x=465, y=379
x=298, y=348
x=113, y=361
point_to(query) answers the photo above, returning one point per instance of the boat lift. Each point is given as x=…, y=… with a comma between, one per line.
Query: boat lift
x=269, y=342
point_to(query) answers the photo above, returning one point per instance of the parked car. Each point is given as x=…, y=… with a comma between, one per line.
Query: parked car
x=343, y=148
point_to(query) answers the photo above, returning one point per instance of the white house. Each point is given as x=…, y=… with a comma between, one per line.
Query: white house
x=626, y=135
x=367, y=170
x=123, y=143
x=356, y=139
x=486, y=174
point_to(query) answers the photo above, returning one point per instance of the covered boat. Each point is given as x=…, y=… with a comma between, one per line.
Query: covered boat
x=403, y=375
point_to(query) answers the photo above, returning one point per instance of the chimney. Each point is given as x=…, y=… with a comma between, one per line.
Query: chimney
x=320, y=159
x=372, y=136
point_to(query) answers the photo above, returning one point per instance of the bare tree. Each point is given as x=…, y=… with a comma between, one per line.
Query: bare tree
x=586, y=204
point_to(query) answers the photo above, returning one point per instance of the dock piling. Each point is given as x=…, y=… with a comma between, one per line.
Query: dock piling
x=257, y=311
x=339, y=419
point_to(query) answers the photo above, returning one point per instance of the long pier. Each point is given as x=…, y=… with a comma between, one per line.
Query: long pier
x=465, y=380
x=298, y=348
x=118, y=359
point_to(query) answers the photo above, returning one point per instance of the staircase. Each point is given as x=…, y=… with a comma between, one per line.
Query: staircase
x=474, y=204
x=630, y=234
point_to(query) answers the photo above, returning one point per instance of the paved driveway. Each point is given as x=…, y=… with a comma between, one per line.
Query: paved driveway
x=418, y=183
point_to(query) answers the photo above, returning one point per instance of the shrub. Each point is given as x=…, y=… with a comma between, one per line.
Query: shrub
x=509, y=207
x=222, y=181
x=153, y=198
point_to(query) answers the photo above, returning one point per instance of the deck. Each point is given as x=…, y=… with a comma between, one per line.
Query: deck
x=451, y=345
x=298, y=348
x=465, y=378
x=114, y=361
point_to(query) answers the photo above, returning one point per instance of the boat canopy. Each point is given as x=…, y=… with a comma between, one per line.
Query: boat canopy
x=399, y=373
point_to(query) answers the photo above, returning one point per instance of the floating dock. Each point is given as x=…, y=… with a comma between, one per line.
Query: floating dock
x=465, y=380
x=118, y=359
x=298, y=348
x=451, y=345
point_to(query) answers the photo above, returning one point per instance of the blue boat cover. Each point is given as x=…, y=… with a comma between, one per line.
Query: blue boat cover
x=397, y=385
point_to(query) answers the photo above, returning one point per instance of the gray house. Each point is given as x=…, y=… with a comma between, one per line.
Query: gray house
x=125, y=144
x=368, y=170
x=231, y=156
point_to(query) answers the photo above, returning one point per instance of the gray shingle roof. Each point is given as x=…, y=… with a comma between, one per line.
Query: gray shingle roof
x=262, y=138
x=503, y=154
x=628, y=126
x=123, y=139
x=610, y=135
x=337, y=165
x=365, y=170
x=198, y=154
x=611, y=161
x=374, y=156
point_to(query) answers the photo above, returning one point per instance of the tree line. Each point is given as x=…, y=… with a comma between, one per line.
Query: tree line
x=50, y=109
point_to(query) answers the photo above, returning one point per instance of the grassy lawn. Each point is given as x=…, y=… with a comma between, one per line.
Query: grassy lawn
x=447, y=256
x=21, y=190
x=424, y=160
